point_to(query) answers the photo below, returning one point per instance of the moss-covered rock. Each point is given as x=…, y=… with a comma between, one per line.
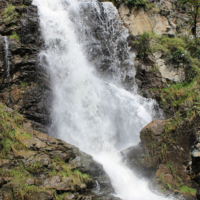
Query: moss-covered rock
x=36, y=166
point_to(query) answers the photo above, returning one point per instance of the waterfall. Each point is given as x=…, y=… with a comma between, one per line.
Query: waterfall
x=87, y=59
x=7, y=65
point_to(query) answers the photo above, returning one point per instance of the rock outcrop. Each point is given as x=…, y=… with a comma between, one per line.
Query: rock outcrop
x=36, y=166
x=163, y=162
x=24, y=85
x=156, y=19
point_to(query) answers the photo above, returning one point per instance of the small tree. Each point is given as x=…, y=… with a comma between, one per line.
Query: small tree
x=194, y=13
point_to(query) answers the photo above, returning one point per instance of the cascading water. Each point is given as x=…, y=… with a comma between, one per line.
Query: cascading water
x=87, y=59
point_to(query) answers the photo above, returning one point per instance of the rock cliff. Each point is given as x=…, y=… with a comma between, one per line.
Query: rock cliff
x=164, y=154
x=36, y=166
x=33, y=163
x=24, y=85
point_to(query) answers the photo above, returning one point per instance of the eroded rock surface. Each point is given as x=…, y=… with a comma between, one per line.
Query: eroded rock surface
x=24, y=86
x=163, y=163
x=48, y=170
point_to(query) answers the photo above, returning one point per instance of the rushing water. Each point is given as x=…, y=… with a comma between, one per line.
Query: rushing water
x=88, y=61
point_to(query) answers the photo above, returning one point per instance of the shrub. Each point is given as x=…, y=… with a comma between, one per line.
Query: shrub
x=135, y=3
x=181, y=55
x=143, y=44
x=197, y=54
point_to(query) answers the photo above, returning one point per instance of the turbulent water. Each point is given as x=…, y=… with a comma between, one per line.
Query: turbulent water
x=89, y=65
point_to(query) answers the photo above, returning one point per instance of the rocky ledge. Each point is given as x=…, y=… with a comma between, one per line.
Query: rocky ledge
x=36, y=166
x=163, y=161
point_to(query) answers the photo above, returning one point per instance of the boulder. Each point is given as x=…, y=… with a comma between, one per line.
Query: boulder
x=151, y=137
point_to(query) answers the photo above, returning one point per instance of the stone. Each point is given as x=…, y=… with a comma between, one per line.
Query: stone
x=28, y=128
x=151, y=138
x=159, y=24
x=17, y=60
x=34, y=143
x=66, y=156
x=69, y=197
x=2, y=181
x=137, y=21
x=44, y=195
x=30, y=181
x=52, y=140
x=39, y=144
x=42, y=159
x=169, y=72
x=55, y=183
x=67, y=179
x=7, y=179
x=5, y=163
x=25, y=154
x=156, y=126
x=150, y=59
x=52, y=180
x=134, y=158
x=196, y=154
x=42, y=136
x=157, y=54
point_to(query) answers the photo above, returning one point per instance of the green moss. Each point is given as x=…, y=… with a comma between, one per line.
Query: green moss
x=161, y=178
x=26, y=135
x=172, y=169
x=9, y=10
x=60, y=197
x=83, y=177
x=23, y=84
x=12, y=142
x=187, y=190
x=15, y=36
x=35, y=168
x=9, y=14
x=52, y=173
x=169, y=185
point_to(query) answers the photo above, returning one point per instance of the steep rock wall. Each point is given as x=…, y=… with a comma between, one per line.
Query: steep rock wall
x=26, y=89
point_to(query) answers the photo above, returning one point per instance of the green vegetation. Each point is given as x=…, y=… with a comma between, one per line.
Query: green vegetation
x=181, y=101
x=15, y=36
x=10, y=130
x=23, y=84
x=9, y=14
x=83, y=177
x=12, y=141
x=187, y=190
x=161, y=178
x=182, y=98
x=135, y=3
x=35, y=168
x=194, y=13
x=179, y=49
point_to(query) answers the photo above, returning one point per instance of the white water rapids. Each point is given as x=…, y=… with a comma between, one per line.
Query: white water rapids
x=90, y=110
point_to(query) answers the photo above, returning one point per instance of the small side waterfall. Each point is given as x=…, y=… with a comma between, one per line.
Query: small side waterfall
x=7, y=63
x=87, y=59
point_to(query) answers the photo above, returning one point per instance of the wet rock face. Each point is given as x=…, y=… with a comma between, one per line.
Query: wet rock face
x=24, y=87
